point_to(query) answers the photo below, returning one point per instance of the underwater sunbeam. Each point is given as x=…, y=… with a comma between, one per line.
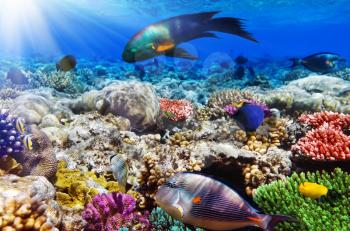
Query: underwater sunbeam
x=23, y=26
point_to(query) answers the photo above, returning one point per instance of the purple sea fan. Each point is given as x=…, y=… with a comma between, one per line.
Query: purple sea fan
x=109, y=212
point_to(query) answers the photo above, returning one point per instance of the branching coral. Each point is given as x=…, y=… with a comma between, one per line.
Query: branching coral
x=181, y=138
x=176, y=110
x=329, y=213
x=332, y=119
x=327, y=141
x=76, y=189
x=58, y=80
x=110, y=212
x=324, y=143
x=161, y=221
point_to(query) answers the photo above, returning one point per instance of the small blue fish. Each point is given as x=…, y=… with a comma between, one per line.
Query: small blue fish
x=204, y=202
x=120, y=168
x=27, y=141
x=249, y=117
x=20, y=125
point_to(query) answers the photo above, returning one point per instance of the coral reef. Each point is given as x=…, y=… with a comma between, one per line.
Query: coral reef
x=175, y=110
x=324, y=143
x=314, y=93
x=219, y=100
x=327, y=141
x=330, y=213
x=75, y=188
x=41, y=160
x=8, y=165
x=161, y=221
x=60, y=81
x=132, y=100
x=113, y=211
x=26, y=203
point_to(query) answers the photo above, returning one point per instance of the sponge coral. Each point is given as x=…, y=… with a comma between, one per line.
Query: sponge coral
x=161, y=221
x=331, y=212
x=110, y=212
x=75, y=189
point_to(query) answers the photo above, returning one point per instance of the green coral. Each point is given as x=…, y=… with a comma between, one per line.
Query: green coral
x=161, y=221
x=330, y=212
x=75, y=188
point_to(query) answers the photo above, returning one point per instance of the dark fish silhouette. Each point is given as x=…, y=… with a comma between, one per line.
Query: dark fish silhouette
x=67, y=63
x=204, y=202
x=163, y=38
x=239, y=72
x=16, y=76
x=324, y=62
x=240, y=60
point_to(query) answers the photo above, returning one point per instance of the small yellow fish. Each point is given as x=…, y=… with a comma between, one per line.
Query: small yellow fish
x=20, y=125
x=312, y=190
x=27, y=141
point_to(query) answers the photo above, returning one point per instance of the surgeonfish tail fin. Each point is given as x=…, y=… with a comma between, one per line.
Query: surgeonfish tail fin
x=295, y=62
x=230, y=26
x=272, y=220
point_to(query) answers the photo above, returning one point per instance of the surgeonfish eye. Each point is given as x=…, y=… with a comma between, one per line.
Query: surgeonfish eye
x=170, y=184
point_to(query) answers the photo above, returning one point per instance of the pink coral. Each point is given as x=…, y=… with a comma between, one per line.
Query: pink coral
x=327, y=141
x=176, y=110
x=324, y=143
x=332, y=119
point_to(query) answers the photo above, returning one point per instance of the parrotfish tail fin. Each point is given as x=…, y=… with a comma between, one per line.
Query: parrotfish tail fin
x=272, y=220
x=295, y=62
x=230, y=26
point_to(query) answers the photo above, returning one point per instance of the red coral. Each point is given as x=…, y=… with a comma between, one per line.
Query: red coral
x=324, y=143
x=327, y=141
x=176, y=110
x=333, y=119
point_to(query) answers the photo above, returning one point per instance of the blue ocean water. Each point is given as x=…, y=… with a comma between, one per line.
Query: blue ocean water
x=89, y=28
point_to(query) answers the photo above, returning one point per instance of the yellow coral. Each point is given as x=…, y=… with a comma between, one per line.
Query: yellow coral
x=74, y=187
x=8, y=165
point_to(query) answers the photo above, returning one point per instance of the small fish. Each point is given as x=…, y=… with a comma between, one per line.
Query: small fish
x=240, y=60
x=16, y=76
x=249, y=117
x=312, y=190
x=120, y=169
x=204, y=202
x=20, y=125
x=324, y=62
x=163, y=37
x=67, y=63
x=27, y=141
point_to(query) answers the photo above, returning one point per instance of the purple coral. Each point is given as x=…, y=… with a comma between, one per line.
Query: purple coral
x=230, y=110
x=10, y=138
x=108, y=212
